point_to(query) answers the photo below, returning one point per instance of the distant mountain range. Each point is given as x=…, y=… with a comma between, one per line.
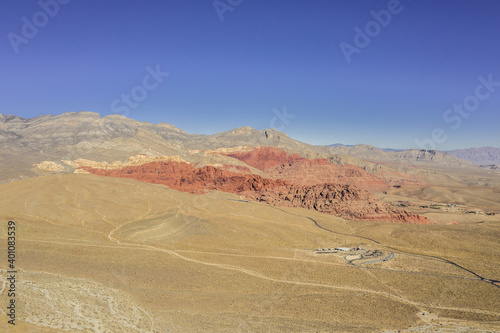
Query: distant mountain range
x=343, y=145
x=479, y=156
x=73, y=135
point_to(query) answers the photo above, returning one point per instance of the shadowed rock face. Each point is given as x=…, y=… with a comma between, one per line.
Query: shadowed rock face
x=341, y=200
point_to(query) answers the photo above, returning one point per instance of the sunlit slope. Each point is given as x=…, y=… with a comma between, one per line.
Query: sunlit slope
x=121, y=255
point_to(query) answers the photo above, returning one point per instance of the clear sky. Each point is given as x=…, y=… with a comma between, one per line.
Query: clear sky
x=385, y=73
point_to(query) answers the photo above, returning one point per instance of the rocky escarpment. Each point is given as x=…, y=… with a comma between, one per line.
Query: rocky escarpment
x=265, y=157
x=340, y=200
x=277, y=164
x=136, y=160
x=185, y=177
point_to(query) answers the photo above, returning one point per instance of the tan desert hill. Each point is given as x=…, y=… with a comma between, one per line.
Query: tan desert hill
x=112, y=254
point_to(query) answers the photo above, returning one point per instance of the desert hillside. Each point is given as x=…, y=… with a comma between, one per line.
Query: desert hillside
x=111, y=254
x=127, y=226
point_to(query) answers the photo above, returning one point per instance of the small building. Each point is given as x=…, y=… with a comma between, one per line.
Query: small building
x=343, y=249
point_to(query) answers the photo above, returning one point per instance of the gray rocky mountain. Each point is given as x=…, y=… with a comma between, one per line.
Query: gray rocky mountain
x=405, y=157
x=480, y=156
x=73, y=135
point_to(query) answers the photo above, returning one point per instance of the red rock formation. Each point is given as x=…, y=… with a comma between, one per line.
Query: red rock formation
x=341, y=200
x=310, y=172
x=237, y=168
x=184, y=177
x=264, y=157
x=277, y=164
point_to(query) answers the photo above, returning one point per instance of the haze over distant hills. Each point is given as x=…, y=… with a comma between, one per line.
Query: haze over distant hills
x=479, y=156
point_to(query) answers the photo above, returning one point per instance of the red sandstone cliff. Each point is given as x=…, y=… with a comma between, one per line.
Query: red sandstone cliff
x=342, y=200
x=264, y=157
x=276, y=164
x=184, y=177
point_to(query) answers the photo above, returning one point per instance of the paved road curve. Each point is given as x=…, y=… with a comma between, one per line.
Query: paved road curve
x=493, y=282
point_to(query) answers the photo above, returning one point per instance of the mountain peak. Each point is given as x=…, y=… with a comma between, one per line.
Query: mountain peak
x=244, y=130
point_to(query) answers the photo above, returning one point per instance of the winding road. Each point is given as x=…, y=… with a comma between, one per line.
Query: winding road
x=492, y=282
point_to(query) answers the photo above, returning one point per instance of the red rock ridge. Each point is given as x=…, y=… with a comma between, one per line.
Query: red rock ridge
x=277, y=164
x=340, y=200
x=184, y=177
x=264, y=157
x=237, y=168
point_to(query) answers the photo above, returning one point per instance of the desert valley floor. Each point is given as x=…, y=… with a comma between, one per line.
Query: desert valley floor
x=109, y=254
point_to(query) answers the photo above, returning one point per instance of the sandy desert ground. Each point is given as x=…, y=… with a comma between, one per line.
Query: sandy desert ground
x=99, y=254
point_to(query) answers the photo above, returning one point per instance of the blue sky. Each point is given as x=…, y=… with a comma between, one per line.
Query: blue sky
x=264, y=57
